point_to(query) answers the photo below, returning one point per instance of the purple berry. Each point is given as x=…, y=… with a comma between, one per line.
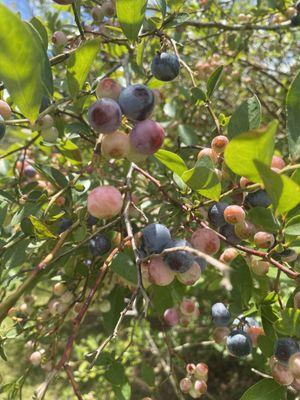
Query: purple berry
x=137, y=102
x=105, y=115
x=147, y=137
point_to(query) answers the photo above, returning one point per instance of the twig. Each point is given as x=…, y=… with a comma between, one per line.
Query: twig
x=114, y=334
x=190, y=345
x=261, y=373
x=26, y=146
x=77, y=321
x=238, y=27
x=214, y=117
x=165, y=365
x=131, y=236
x=77, y=20
x=73, y=382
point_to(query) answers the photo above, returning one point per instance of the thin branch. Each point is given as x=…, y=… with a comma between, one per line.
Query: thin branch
x=76, y=322
x=114, y=334
x=239, y=27
x=77, y=20
x=131, y=235
x=26, y=146
x=73, y=382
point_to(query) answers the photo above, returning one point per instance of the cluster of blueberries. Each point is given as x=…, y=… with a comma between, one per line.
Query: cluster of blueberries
x=285, y=363
x=136, y=102
x=243, y=337
x=259, y=198
x=156, y=238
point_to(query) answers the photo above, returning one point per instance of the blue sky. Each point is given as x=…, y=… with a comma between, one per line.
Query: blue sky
x=20, y=5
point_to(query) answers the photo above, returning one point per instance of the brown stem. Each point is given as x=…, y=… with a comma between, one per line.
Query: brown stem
x=73, y=382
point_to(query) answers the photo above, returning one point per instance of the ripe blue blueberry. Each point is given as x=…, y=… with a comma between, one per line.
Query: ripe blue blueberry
x=64, y=224
x=259, y=198
x=2, y=127
x=165, y=66
x=137, y=102
x=216, y=214
x=239, y=343
x=284, y=348
x=288, y=255
x=30, y=171
x=155, y=237
x=202, y=263
x=220, y=314
x=91, y=221
x=99, y=245
x=229, y=232
x=179, y=261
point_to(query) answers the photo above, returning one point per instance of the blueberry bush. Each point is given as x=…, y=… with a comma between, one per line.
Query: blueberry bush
x=150, y=199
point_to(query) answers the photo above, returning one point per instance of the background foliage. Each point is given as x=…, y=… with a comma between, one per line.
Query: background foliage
x=236, y=76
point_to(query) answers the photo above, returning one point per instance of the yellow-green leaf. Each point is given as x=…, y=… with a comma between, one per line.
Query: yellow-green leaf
x=293, y=116
x=24, y=65
x=203, y=179
x=243, y=149
x=131, y=14
x=40, y=228
x=283, y=191
x=79, y=65
x=172, y=161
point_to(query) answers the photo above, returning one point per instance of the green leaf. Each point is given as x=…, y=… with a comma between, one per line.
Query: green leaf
x=243, y=149
x=283, y=191
x=266, y=389
x=162, y=6
x=293, y=116
x=122, y=392
x=71, y=151
x=292, y=227
x=203, y=179
x=2, y=354
x=3, y=211
x=124, y=266
x=116, y=299
x=39, y=26
x=188, y=135
x=266, y=345
x=264, y=218
x=147, y=374
x=131, y=14
x=27, y=82
x=289, y=323
x=214, y=80
x=241, y=281
x=41, y=229
x=172, y=161
x=198, y=94
x=245, y=118
x=80, y=63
